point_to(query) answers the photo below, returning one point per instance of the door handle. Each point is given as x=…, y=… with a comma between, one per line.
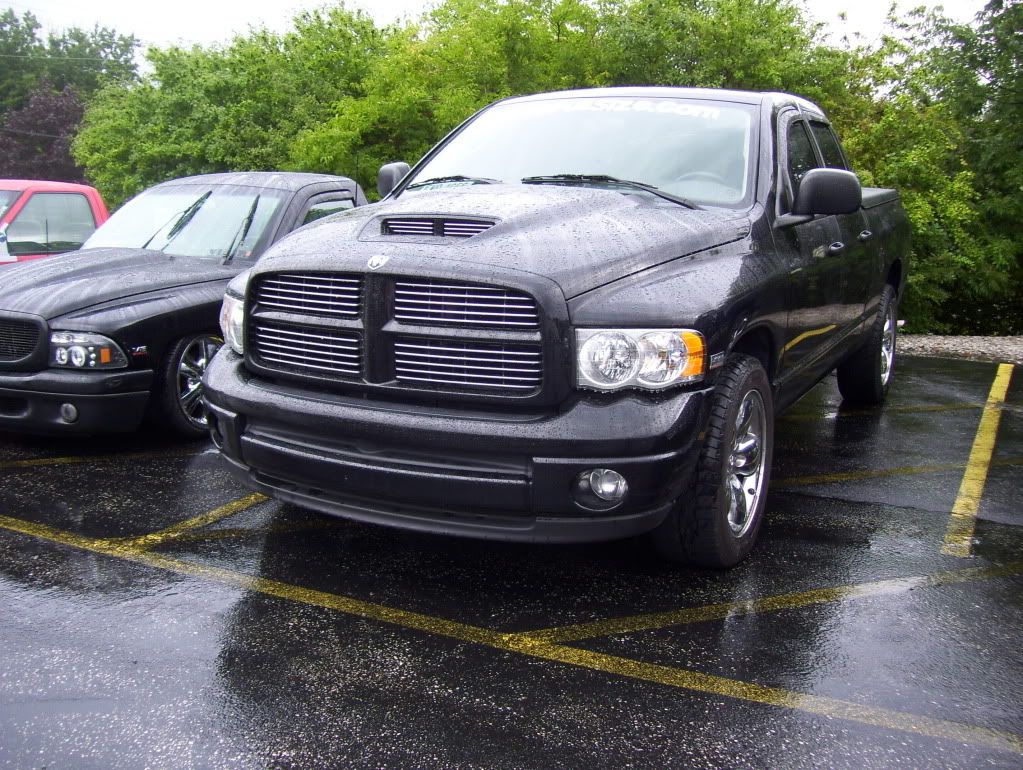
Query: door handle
x=865, y=236
x=836, y=248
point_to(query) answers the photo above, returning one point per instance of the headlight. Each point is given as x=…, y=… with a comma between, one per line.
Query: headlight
x=232, y=313
x=85, y=350
x=652, y=359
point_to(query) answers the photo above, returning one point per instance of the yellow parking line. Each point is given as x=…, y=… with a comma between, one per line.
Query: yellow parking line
x=524, y=644
x=43, y=462
x=170, y=533
x=961, y=524
x=658, y=620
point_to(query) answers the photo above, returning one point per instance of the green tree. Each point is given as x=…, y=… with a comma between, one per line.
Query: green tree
x=225, y=108
x=78, y=58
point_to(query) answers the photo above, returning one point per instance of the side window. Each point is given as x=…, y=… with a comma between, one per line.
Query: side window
x=50, y=223
x=801, y=155
x=830, y=148
x=326, y=208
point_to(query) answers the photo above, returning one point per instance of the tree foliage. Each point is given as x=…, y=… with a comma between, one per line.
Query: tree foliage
x=35, y=140
x=213, y=109
x=82, y=59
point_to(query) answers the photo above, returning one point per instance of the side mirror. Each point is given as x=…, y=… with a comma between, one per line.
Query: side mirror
x=828, y=191
x=389, y=176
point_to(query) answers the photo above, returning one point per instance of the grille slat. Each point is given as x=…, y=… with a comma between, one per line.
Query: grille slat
x=463, y=304
x=303, y=348
x=500, y=366
x=17, y=339
x=311, y=293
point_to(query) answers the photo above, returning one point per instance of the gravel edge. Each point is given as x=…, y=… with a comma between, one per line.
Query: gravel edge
x=997, y=349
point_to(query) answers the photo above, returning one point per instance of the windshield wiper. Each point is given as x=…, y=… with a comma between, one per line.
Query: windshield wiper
x=452, y=178
x=609, y=180
x=239, y=237
x=183, y=219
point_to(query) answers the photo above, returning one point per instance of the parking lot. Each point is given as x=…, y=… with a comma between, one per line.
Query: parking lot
x=156, y=614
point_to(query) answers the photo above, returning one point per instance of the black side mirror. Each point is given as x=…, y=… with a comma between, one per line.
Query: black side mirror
x=828, y=191
x=389, y=176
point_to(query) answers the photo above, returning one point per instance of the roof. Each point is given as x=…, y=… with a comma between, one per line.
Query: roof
x=774, y=99
x=290, y=181
x=45, y=186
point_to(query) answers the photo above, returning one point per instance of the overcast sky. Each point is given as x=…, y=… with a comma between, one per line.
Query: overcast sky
x=209, y=21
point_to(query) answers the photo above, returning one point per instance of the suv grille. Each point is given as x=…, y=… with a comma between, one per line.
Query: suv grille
x=313, y=293
x=467, y=364
x=388, y=332
x=463, y=304
x=17, y=339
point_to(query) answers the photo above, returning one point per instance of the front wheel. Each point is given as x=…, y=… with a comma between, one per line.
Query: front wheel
x=715, y=524
x=180, y=383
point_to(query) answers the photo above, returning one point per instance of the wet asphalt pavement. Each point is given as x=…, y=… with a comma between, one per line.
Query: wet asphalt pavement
x=154, y=614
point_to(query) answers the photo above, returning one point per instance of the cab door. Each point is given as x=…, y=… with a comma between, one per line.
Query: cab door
x=814, y=251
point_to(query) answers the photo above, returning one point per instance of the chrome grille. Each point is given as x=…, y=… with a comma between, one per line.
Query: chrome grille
x=467, y=364
x=449, y=228
x=335, y=295
x=307, y=349
x=17, y=339
x=458, y=304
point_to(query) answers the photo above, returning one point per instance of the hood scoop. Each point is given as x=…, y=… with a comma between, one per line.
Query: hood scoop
x=443, y=227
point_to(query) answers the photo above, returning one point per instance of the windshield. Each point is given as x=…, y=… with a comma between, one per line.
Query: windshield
x=7, y=197
x=218, y=221
x=697, y=150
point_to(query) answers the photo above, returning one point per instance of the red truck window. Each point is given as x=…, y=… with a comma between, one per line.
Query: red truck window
x=50, y=223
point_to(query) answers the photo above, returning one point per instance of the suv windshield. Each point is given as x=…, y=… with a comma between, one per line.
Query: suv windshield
x=695, y=150
x=219, y=221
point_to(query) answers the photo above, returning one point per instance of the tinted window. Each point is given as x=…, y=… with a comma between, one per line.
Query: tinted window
x=326, y=208
x=801, y=155
x=830, y=148
x=50, y=223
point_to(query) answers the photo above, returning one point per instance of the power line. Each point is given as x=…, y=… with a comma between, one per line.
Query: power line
x=30, y=133
x=52, y=56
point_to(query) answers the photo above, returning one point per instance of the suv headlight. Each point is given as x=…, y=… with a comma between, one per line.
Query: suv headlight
x=85, y=350
x=651, y=359
x=232, y=313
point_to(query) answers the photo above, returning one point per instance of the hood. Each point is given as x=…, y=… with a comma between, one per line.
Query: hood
x=579, y=237
x=77, y=280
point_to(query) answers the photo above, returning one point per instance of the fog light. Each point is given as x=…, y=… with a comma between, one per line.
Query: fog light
x=68, y=412
x=599, y=489
x=608, y=485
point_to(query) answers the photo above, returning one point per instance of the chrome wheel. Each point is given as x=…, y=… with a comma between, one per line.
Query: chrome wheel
x=191, y=364
x=745, y=470
x=888, y=345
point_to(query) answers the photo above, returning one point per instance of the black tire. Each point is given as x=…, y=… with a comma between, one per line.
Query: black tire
x=865, y=377
x=179, y=384
x=706, y=527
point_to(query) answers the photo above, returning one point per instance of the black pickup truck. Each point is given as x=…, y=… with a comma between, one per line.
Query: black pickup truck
x=575, y=319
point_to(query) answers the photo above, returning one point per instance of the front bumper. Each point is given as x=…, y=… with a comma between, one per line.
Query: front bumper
x=487, y=474
x=104, y=402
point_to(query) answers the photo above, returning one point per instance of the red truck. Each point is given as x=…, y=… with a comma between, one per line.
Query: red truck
x=38, y=219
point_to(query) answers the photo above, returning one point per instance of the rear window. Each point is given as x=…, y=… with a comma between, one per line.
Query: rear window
x=830, y=148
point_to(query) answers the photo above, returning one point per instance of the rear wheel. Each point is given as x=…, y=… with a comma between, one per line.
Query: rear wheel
x=181, y=384
x=864, y=378
x=716, y=522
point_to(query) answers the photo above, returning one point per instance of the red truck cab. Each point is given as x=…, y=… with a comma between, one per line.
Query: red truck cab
x=38, y=219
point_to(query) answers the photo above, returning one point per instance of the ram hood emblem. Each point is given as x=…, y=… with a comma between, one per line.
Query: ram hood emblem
x=377, y=261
